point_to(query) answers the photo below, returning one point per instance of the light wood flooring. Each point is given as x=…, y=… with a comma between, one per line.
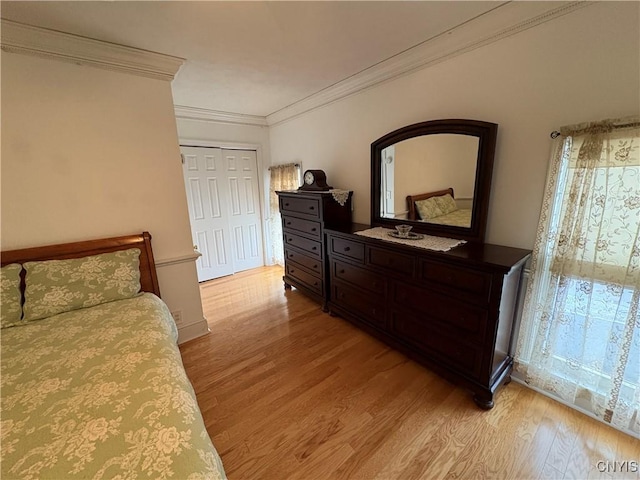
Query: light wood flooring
x=288, y=391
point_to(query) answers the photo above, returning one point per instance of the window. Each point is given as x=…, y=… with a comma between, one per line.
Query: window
x=282, y=177
x=580, y=332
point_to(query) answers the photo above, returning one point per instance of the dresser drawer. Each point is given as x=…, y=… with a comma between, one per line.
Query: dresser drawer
x=358, y=276
x=347, y=248
x=311, y=263
x=414, y=330
x=393, y=261
x=447, y=313
x=312, y=282
x=305, y=206
x=300, y=224
x=314, y=248
x=359, y=303
x=468, y=281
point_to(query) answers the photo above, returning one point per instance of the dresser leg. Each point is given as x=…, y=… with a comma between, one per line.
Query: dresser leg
x=507, y=380
x=484, y=401
x=287, y=286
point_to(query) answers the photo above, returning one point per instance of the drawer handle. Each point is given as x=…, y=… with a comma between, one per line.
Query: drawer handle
x=314, y=248
x=312, y=207
x=291, y=270
x=313, y=229
x=286, y=204
x=288, y=223
x=341, y=271
x=315, y=284
x=315, y=266
x=346, y=249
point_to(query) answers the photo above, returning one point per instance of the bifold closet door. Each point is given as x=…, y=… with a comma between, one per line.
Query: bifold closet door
x=224, y=209
x=244, y=208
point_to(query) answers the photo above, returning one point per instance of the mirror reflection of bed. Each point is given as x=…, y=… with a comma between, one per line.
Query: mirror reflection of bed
x=430, y=169
x=440, y=207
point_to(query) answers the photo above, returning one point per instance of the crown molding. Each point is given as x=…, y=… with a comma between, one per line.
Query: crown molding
x=42, y=42
x=206, y=115
x=503, y=21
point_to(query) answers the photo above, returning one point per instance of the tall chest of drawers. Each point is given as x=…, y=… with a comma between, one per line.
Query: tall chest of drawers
x=305, y=215
x=452, y=311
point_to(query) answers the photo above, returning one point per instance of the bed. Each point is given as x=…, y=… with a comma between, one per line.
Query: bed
x=97, y=391
x=439, y=207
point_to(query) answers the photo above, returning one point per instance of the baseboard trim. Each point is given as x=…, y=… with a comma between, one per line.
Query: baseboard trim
x=194, y=330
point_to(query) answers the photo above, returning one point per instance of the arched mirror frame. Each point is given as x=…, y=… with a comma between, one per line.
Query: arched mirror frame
x=486, y=133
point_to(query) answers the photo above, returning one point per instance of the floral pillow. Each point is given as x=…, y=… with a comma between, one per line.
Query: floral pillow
x=428, y=208
x=10, y=296
x=446, y=203
x=56, y=286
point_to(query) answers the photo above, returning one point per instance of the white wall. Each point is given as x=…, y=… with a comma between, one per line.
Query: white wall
x=584, y=66
x=227, y=135
x=90, y=153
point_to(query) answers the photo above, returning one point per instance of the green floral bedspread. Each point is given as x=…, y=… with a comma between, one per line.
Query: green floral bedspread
x=101, y=393
x=457, y=218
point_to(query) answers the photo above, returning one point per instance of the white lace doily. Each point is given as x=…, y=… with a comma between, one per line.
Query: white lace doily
x=340, y=196
x=440, y=244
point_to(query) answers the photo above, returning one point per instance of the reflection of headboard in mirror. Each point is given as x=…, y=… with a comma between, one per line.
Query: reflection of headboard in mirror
x=441, y=164
x=412, y=199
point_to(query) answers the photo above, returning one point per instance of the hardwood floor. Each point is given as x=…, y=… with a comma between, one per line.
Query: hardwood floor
x=287, y=391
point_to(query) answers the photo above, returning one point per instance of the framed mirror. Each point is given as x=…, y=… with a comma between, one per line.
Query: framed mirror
x=434, y=176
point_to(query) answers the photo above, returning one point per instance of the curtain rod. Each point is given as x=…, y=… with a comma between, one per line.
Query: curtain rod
x=556, y=133
x=284, y=165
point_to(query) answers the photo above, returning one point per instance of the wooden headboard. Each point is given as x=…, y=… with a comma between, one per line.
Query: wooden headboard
x=148, y=275
x=412, y=199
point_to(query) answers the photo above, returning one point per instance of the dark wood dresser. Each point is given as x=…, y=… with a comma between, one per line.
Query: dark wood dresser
x=305, y=215
x=452, y=311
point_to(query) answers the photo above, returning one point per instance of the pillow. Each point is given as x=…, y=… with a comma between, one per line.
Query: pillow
x=56, y=286
x=428, y=208
x=446, y=204
x=10, y=296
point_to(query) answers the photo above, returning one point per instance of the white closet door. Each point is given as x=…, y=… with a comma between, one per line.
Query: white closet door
x=222, y=194
x=207, y=197
x=244, y=208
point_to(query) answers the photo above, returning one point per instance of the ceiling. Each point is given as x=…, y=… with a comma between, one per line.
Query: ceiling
x=255, y=58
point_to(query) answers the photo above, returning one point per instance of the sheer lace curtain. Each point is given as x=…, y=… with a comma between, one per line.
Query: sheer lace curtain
x=580, y=333
x=282, y=177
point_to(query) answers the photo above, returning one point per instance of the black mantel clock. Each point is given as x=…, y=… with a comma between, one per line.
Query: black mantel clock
x=315, y=181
